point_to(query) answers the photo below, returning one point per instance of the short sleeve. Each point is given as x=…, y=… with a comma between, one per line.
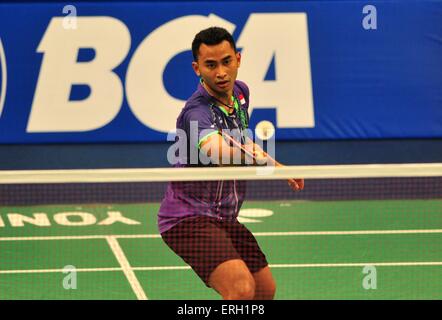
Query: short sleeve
x=199, y=125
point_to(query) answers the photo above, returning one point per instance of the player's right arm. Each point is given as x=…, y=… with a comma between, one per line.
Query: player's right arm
x=221, y=153
x=263, y=157
x=216, y=148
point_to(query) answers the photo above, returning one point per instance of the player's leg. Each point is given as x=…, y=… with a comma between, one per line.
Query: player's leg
x=265, y=286
x=248, y=248
x=233, y=280
x=204, y=244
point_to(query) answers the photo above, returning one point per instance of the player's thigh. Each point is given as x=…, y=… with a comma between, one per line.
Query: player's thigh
x=232, y=277
x=265, y=286
x=247, y=247
x=202, y=243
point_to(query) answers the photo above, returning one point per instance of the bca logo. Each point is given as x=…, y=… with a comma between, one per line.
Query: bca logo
x=3, y=77
x=260, y=43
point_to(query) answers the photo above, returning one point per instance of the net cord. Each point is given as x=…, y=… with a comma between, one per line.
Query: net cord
x=220, y=173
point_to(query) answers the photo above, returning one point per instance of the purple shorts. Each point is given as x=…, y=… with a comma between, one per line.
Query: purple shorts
x=205, y=242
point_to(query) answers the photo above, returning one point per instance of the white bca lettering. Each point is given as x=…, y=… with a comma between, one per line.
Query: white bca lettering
x=156, y=108
x=291, y=92
x=51, y=109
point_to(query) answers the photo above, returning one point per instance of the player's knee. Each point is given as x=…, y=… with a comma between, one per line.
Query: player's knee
x=241, y=290
x=265, y=286
x=267, y=292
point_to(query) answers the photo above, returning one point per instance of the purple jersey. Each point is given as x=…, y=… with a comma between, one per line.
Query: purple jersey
x=220, y=199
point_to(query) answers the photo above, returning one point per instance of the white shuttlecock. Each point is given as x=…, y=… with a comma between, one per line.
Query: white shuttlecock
x=264, y=130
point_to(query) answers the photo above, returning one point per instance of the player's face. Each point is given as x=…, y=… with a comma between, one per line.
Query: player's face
x=218, y=67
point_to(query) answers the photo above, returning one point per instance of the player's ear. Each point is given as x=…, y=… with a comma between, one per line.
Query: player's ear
x=196, y=68
x=238, y=58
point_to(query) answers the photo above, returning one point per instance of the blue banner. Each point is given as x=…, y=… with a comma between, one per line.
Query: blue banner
x=121, y=72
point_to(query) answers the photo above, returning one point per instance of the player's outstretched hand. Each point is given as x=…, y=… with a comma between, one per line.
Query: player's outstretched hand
x=296, y=184
x=260, y=157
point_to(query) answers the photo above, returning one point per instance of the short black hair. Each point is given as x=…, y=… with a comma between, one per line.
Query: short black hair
x=211, y=36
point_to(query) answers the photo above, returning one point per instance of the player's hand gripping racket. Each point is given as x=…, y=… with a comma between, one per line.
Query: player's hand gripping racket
x=295, y=184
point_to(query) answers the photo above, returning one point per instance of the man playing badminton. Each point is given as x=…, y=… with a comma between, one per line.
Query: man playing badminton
x=198, y=219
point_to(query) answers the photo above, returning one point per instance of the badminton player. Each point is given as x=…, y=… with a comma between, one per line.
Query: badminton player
x=198, y=219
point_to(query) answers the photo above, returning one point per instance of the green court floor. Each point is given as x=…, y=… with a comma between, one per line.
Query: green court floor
x=388, y=249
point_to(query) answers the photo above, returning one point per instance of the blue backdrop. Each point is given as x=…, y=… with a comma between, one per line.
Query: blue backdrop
x=373, y=73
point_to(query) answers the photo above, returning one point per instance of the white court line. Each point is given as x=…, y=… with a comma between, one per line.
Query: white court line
x=296, y=265
x=316, y=265
x=85, y=237
x=59, y=270
x=351, y=232
x=264, y=234
x=358, y=264
x=127, y=269
x=161, y=268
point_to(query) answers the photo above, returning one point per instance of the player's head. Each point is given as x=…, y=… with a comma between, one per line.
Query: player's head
x=211, y=36
x=216, y=59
